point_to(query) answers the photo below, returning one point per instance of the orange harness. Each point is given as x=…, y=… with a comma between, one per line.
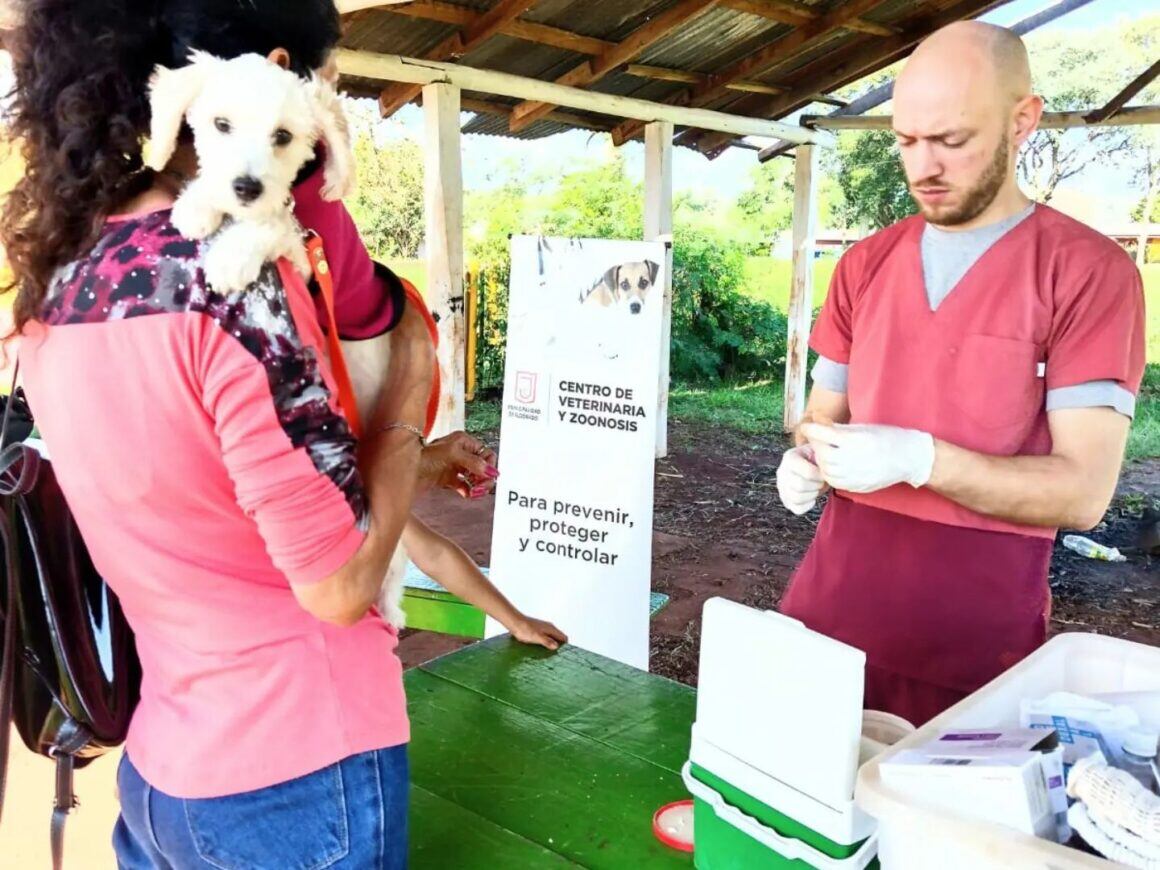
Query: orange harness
x=334, y=345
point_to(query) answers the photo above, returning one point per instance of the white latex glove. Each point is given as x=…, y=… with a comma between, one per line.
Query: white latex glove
x=799, y=480
x=863, y=458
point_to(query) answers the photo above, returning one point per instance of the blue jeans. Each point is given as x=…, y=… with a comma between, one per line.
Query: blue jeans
x=350, y=815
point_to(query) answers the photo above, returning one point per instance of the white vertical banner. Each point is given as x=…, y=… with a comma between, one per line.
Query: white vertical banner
x=572, y=540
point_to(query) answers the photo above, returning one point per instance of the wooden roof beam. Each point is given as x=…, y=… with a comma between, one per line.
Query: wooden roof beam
x=782, y=49
x=666, y=74
x=781, y=11
x=830, y=100
x=595, y=69
x=529, y=31
x=489, y=107
x=346, y=7
x=1121, y=99
x=1133, y=116
x=788, y=12
x=482, y=28
x=542, y=34
x=662, y=73
x=417, y=71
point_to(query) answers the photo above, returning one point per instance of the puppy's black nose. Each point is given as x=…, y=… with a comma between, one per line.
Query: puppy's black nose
x=247, y=188
x=634, y=308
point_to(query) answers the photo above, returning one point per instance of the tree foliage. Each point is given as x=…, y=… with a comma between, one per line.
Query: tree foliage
x=718, y=332
x=1079, y=74
x=388, y=202
x=869, y=173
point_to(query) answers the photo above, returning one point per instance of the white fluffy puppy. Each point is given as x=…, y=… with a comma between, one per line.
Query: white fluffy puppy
x=255, y=125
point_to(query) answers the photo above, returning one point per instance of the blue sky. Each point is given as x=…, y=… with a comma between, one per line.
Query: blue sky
x=730, y=173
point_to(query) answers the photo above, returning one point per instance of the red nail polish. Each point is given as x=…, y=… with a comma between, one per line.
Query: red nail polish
x=492, y=472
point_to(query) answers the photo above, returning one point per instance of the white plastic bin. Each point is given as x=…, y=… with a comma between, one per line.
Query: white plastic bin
x=917, y=837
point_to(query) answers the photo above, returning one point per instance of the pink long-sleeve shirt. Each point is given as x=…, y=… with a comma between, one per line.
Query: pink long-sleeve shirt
x=198, y=442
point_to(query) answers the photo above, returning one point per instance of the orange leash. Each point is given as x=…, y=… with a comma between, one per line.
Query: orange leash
x=346, y=399
x=413, y=298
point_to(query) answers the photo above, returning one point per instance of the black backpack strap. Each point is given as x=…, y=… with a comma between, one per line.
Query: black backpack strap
x=19, y=470
x=62, y=805
x=8, y=646
x=8, y=650
x=71, y=739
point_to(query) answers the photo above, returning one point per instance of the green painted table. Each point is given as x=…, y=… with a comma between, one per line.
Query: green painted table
x=525, y=759
x=430, y=607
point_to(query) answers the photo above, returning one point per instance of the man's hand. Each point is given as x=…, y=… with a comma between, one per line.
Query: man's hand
x=862, y=458
x=799, y=480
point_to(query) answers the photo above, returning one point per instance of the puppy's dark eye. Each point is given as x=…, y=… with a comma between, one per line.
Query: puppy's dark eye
x=624, y=285
x=222, y=125
x=282, y=138
x=643, y=283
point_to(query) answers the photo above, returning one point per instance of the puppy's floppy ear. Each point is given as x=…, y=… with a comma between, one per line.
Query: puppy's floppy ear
x=611, y=279
x=334, y=131
x=653, y=270
x=171, y=93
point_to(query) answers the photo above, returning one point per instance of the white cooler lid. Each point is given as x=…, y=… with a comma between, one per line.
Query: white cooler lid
x=782, y=699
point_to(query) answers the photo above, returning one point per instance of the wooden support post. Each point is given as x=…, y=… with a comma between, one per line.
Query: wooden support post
x=805, y=213
x=472, y=314
x=443, y=187
x=658, y=224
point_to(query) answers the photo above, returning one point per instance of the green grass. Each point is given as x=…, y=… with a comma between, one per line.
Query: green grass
x=768, y=280
x=483, y=416
x=1152, y=304
x=414, y=271
x=753, y=408
x=1144, y=440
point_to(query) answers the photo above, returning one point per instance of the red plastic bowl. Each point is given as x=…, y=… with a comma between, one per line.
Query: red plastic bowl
x=671, y=839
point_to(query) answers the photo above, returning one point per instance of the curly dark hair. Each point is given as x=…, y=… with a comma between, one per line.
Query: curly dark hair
x=80, y=110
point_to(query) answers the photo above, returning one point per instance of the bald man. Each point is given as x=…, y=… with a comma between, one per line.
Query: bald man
x=978, y=365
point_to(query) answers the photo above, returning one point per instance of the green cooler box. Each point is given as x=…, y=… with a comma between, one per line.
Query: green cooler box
x=776, y=746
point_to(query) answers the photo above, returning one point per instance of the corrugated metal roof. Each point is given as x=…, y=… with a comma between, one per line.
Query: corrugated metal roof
x=497, y=125
x=713, y=41
x=606, y=19
x=410, y=37
x=522, y=58
x=706, y=44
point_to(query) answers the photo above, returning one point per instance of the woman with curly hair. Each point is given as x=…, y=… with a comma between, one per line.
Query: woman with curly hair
x=197, y=438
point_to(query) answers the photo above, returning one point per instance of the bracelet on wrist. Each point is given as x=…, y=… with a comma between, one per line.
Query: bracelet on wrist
x=407, y=427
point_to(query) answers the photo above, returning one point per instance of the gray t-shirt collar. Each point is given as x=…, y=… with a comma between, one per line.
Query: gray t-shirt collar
x=948, y=255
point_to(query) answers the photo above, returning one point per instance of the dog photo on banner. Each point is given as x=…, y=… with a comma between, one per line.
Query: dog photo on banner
x=573, y=524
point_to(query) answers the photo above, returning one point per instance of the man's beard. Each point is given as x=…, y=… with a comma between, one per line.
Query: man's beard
x=977, y=199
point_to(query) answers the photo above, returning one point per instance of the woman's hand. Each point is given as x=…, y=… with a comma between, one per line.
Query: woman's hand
x=537, y=631
x=460, y=463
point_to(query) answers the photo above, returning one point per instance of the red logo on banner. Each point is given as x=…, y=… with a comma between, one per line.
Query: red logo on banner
x=526, y=387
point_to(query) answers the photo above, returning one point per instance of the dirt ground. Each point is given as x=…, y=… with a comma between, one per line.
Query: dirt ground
x=720, y=530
